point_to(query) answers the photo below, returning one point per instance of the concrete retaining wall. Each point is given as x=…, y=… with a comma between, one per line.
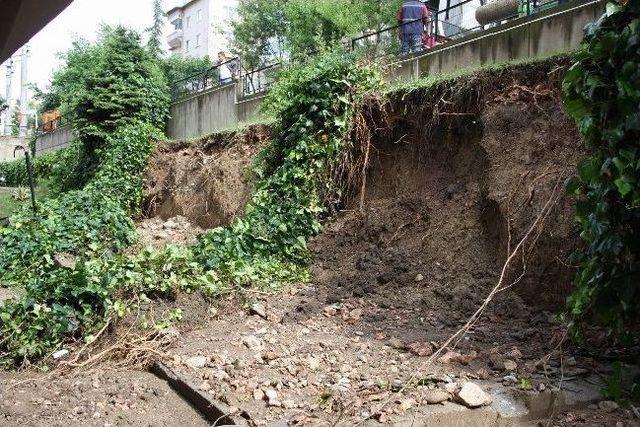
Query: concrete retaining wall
x=556, y=30
x=210, y=111
x=553, y=31
x=8, y=144
x=54, y=140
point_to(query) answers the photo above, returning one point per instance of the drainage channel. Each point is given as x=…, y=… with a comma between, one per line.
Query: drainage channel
x=214, y=411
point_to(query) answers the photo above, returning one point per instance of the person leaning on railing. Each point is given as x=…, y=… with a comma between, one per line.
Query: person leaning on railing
x=413, y=16
x=228, y=68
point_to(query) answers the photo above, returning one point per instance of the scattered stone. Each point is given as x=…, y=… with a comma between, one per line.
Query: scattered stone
x=472, y=396
x=65, y=260
x=258, y=309
x=270, y=355
x=330, y=310
x=496, y=361
x=407, y=404
x=510, y=365
x=205, y=386
x=509, y=380
x=252, y=342
x=169, y=225
x=483, y=374
x=356, y=314
x=313, y=362
x=450, y=357
x=342, y=386
x=419, y=278
x=258, y=394
x=515, y=353
x=423, y=349
x=272, y=397
x=608, y=406
x=542, y=387
x=571, y=361
x=60, y=354
x=396, y=343
x=433, y=397
x=288, y=404
x=452, y=387
x=271, y=394
x=196, y=362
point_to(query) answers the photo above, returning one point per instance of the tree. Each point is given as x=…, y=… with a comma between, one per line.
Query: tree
x=154, y=44
x=601, y=93
x=107, y=85
x=15, y=120
x=268, y=30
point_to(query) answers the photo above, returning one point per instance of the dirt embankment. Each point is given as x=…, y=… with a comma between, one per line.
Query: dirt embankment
x=206, y=181
x=457, y=175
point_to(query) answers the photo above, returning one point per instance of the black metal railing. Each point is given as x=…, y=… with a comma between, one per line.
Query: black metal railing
x=207, y=79
x=442, y=26
x=258, y=81
x=52, y=125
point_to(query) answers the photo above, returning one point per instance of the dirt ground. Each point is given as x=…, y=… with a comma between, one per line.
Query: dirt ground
x=392, y=280
x=101, y=398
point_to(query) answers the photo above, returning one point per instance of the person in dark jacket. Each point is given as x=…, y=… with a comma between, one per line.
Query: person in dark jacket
x=413, y=16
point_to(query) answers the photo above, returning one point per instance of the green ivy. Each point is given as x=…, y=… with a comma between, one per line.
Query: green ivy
x=602, y=93
x=66, y=256
x=313, y=105
x=67, y=301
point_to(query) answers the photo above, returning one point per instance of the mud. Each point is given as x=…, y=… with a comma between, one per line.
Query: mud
x=207, y=181
x=443, y=211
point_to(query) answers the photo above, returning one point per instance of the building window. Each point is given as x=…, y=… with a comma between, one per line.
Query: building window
x=187, y=45
x=177, y=24
x=198, y=40
x=188, y=22
x=199, y=15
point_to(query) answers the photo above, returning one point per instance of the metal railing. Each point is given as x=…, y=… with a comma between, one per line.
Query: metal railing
x=52, y=125
x=207, y=79
x=442, y=26
x=258, y=81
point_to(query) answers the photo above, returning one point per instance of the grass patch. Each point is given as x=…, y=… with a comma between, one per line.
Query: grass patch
x=9, y=204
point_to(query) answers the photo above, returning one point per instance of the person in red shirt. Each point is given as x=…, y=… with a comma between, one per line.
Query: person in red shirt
x=413, y=16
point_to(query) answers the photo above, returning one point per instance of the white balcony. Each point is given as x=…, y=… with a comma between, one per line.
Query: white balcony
x=175, y=39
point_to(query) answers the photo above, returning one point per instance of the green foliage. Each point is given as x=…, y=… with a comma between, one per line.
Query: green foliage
x=15, y=120
x=65, y=301
x=46, y=101
x=14, y=173
x=267, y=30
x=154, y=44
x=177, y=68
x=603, y=96
x=105, y=86
x=313, y=105
x=92, y=224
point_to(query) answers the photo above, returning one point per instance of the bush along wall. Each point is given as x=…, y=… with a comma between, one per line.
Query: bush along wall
x=602, y=93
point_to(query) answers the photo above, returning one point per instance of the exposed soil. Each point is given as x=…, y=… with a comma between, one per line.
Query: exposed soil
x=206, y=181
x=392, y=279
x=101, y=398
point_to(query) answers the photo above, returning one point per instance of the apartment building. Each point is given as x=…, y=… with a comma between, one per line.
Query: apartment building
x=200, y=27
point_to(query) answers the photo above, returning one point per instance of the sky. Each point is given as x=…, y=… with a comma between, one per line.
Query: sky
x=81, y=19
